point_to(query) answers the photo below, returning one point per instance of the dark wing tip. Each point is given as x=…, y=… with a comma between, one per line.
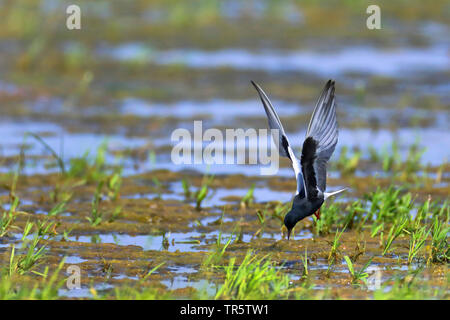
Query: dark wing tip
x=330, y=84
x=333, y=83
x=259, y=90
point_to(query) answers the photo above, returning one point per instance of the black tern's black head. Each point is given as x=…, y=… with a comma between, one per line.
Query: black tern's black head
x=301, y=208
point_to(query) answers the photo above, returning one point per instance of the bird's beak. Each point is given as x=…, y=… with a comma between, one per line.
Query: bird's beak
x=289, y=233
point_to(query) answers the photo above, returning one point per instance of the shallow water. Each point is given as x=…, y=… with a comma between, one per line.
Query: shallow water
x=387, y=62
x=146, y=242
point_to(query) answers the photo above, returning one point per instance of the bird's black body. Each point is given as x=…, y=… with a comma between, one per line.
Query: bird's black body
x=310, y=170
x=305, y=206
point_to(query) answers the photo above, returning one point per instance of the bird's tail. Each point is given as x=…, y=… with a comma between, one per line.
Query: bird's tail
x=327, y=195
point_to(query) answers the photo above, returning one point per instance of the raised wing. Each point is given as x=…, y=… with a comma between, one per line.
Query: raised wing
x=321, y=139
x=281, y=139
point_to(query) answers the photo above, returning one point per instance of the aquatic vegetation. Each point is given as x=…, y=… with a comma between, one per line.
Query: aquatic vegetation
x=328, y=218
x=186, y=189
x=334, y=251
x=46, y=288
x=50, y=149
x=374, y=156
x=200, y=196
x=81, y=88
x=114, y=182
x=412, y=164
x=262, y=218
x=416, y=242
x=202, y=192
x=8, y=217
x=165, y=242
x=65, y=234
x=58, y=208
x=90, y=169
x=52, y=203
x=115, y=214
x=358, y=277
x=405, y=287
x=440, y=251
x=354, y=215
x=135, y=293
x=96, y=212
x=422, y=213
x=44, y=228
x=348, y=164
x=305, y=272
x=24, y=263
x=399, y=212
x=391, y=160
x=394, y=232
x=218, y=252
x=439, y=173
x=280, y=211
x=248, y=199
x=386, y=205
x=158, y=187
x=139, y=292
x=254, y=278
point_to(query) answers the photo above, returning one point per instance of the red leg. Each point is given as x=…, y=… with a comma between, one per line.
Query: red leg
x=317, y=214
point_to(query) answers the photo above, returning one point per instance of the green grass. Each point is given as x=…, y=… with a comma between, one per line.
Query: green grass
x=45, y=228
x=392, y=159
x=280, y=211
x=135, y=293
x=416, y=242
x=386, y=205
x=248, y=199
x=305, y=273
x=90, y=169
x=59, y=160
x=58, y=208
x=216, y=255
x=203, y=191
x=347, y=164
x=254, y=278
x=334, y=252
x=186, y=189
x=354, y=215
x=114, y=183
x=358, y=277
x=328, y=218
x=440, y=251
x=96, y=212
x=409, y=287
x=34, y=252
x=200, y=196
x=335, y=245
x=395, y=231
x=16, y=287
x=8, y=217
x=140, y=291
